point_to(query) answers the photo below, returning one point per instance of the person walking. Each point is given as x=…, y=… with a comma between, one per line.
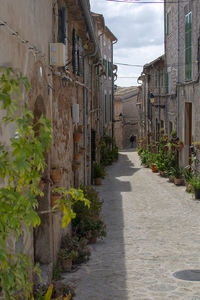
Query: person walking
x=132, y=139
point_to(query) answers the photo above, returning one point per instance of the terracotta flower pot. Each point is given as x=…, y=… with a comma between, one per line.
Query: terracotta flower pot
x=178, y=181
x=82, y=150
x=162, y=173
x=98, y=181
x=77, y=136
x=53, y=199
x=181, y=146
x=67, y=264
x=56, y=175
x=197, y=193
x=154, y=169
x=76, y=156
x=41, y=185
x=171, y=178
x=80, y=128
x=93, y=240
x=75, y=165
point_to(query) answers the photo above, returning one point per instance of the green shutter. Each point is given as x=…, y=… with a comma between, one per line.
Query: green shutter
x=156, y=79
x=90, y=76
x=167, y=24
x=166, y=83
x=110, y=98
x=188, y=46
x=105, y=63
x=161, y=78
x=109, y=69
x=105, y=109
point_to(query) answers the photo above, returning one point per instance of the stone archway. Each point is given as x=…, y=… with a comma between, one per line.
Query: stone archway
x=42, y=235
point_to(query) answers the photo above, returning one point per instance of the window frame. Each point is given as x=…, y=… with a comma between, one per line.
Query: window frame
x=188, y=46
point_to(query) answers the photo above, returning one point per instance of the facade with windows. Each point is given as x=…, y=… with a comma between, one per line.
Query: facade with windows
x=182, y=57
x=68, y=93
x=152, y=100
x=106, y=81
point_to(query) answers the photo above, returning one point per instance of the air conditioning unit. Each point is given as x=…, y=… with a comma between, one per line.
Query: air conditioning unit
x=75, y=113
x=57, y=54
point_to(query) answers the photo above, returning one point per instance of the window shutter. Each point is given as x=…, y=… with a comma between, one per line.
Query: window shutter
x=166, y=83
x=188, y=46
x=74, y=52
x=110, y=98
x=105, y=110
x=62, y=25
x=80, y=57
x=167, y=24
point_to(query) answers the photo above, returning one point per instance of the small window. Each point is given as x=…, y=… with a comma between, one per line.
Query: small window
x=110, y=100
x=166, y=83
x=109, y=69
x=156, y=79
x=105, y=110
x=105, y=63
x=188, y=46
x=161, y=78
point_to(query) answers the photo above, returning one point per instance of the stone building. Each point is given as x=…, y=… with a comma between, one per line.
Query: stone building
x=56, y=46
x=126, y=120
x=182, y=34
x=106, y=80
x=152, y=100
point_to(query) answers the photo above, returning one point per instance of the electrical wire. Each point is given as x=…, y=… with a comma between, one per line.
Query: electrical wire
x=145, y=2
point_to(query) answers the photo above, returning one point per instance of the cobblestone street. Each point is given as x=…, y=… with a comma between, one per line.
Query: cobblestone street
x=153, y=231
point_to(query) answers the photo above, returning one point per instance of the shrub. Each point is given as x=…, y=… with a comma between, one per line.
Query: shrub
x=88, y=223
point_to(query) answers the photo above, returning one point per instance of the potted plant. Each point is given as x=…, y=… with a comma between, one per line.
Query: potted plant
x=188, y=175
x=181, y=145
x=177, y=173
x=75, y=165
x=98, y=173
x=66, y=258
x=81, y=150
x=195, y=183
x=77, y=136
x=56, y=175
x=76, y=156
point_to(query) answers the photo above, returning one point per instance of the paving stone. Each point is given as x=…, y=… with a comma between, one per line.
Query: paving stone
x=153, y=232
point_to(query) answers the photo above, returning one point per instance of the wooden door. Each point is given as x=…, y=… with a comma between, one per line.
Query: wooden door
x=188, y=128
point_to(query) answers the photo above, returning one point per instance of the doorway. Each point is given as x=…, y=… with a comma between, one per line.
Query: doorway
x=188, y=129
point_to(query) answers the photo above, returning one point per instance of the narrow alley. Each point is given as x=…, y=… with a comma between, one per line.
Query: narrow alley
x=153, y=231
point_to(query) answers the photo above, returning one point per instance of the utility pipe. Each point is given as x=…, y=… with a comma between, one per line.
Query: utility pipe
x=112, y=91
x=85, y=6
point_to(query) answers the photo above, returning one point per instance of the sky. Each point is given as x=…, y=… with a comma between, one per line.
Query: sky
x=139, y=30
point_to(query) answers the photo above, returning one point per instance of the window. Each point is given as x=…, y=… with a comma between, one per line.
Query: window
x=170, y=127
x=109, y=69
x=90, y=76
x=110, y=100
x=168, y=22
x=188, y=46
x=156, y=79
x=63, y=32
x=105, y=109
x=166, y=83
x=161, y=78
x=77, y=50
x=105, y=63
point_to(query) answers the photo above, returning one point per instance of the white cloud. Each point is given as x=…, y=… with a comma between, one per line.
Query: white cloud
x=139, y=29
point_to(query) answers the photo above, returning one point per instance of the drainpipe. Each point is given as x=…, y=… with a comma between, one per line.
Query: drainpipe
x=112, y=91
x=96, y=51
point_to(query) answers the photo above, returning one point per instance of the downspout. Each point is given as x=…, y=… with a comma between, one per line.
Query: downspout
x=112, y=92
x=96, y=51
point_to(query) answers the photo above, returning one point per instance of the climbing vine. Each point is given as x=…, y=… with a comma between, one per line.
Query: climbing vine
x=22, y=164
